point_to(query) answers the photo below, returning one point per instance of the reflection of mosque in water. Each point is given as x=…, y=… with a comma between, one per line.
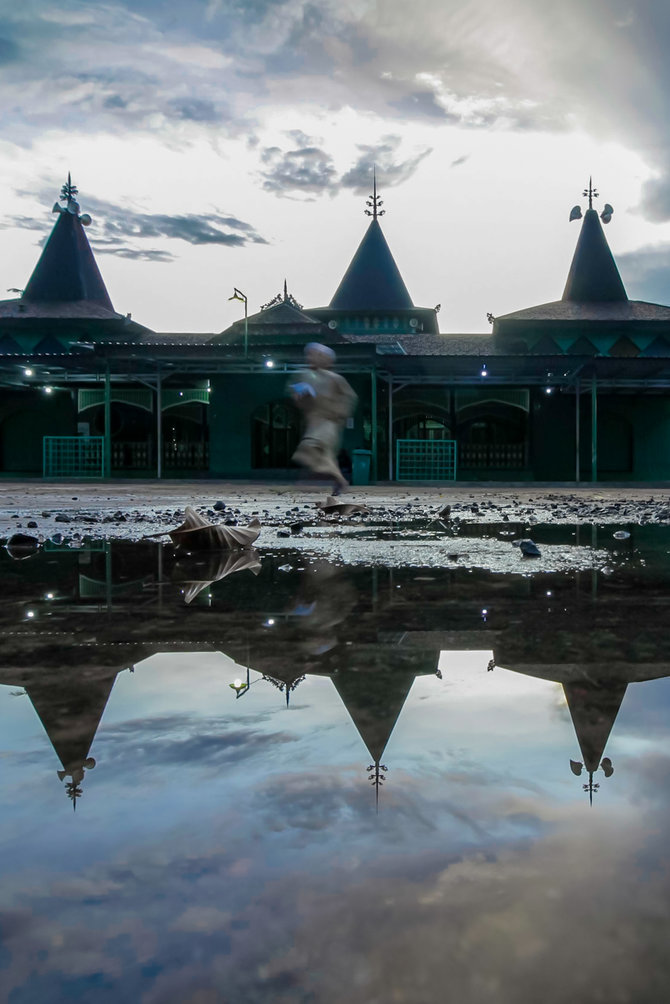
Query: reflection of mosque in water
x=80, y=618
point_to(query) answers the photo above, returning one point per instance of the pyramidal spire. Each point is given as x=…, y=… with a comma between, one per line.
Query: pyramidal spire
x=593, y=710
x=594, y=276
x=373, y=280
x=66, y=270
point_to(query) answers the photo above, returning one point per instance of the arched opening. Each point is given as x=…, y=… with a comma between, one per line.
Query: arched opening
x=492, y=435
x=186, y=437
x=275, y=432
x=416, y=419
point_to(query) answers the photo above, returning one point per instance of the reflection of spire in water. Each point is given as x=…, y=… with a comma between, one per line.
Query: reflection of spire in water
x=70, y=708
x=593, y=710
x=374, y=700
x=74, y=791
x=375, y=774
x=576, y=766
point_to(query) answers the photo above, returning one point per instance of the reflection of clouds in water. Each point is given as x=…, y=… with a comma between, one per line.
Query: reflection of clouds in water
x=516, y=921
x=184, y=741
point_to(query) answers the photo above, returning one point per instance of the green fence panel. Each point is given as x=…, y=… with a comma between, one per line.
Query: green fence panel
x=73, y=456
x=425, y=460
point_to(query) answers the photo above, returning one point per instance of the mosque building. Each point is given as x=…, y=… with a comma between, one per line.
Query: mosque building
x=572, y=390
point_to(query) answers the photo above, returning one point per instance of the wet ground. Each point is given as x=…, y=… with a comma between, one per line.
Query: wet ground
x=380, y=757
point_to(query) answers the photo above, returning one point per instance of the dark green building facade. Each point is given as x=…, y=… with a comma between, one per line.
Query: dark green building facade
x=576, y=389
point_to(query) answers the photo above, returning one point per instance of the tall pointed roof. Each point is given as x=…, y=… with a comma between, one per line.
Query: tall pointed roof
x=373, y=280
x=594, y=276
x=67, y=270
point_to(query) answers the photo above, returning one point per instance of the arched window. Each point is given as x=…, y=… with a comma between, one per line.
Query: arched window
x=421, y=420
x=493, y=436
x=275, y=431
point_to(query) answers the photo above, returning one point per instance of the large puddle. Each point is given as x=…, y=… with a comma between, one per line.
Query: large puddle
x=306, y=774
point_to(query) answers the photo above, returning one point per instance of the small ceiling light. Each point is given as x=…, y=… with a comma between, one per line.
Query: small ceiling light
x=548, y=390
x=484, y=371
x=30, y=613
x=270, y=622
x=28, y=372
x=48, y=390
x=50, y=596
x=269, y=363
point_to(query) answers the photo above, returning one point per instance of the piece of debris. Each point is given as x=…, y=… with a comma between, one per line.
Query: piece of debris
x=285, y=568
x=196, y=534
x=445, y=512
x=621, y=535
x=529, y=548
x=331, y=507
x=22, y=545
x=197, y=576
x=296, y=527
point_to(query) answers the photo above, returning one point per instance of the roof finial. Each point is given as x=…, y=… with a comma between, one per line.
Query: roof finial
x=377, y=778
x=285, y=291
x=591, y=192
x=374, y=202
x=576, y=766
x=69, y=191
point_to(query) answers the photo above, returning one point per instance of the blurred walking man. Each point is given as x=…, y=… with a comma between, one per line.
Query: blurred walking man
x=326, y=401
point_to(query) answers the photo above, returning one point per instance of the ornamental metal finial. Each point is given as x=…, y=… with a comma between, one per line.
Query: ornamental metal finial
x=374, y=202
x=591, y=193
x=376, y=778
x=69, y=191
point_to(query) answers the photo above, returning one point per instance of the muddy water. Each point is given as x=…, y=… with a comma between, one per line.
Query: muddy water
x=321, y=773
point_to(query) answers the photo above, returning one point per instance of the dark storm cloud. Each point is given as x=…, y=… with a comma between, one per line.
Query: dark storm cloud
x=391, y=169
x=307, y=169
x=117, y=230
x=134, y=254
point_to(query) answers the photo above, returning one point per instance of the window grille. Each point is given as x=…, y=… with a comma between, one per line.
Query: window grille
x=425, y=460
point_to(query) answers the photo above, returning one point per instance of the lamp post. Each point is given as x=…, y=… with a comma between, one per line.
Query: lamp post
x=238, y=295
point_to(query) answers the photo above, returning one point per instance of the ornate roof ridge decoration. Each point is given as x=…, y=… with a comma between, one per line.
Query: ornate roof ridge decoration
x=284, y=297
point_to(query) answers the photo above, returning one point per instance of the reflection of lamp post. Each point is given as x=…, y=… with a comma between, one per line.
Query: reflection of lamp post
x=240, y=686
x=237, y=295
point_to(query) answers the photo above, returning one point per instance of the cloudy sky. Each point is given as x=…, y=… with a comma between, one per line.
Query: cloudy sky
x=221, y=143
